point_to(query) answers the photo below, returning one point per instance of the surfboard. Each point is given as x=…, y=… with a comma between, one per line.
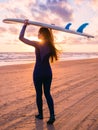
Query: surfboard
x=67, y=29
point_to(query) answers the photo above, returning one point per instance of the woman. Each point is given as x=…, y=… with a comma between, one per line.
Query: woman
x=42, y=75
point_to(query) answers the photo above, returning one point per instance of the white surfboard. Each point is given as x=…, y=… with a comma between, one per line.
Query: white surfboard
x=79, y=31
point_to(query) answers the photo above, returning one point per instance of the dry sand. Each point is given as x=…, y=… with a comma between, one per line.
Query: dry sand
x=74, y=90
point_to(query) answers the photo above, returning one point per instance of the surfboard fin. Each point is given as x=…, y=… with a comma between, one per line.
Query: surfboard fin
x=81, y=28
x=68, y=25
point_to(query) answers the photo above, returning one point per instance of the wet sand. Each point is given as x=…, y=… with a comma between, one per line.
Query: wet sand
x=74, y=89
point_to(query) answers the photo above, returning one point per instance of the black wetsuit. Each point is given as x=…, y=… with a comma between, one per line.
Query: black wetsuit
x=42, y=75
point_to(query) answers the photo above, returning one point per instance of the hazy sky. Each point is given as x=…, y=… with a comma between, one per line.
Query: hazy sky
x=59, y=12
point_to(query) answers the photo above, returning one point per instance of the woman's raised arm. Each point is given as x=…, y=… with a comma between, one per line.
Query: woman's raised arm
x=23, y=39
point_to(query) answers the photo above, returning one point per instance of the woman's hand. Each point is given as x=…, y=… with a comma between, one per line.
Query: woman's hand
x=26, y=22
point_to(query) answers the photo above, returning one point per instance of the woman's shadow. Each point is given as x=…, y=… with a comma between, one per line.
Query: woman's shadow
x=40, y=125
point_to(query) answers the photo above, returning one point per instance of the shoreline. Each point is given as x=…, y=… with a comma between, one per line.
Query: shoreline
x=11, y=58
x=33, y=62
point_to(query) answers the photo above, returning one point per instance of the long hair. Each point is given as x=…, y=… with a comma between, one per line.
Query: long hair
x=48, y=37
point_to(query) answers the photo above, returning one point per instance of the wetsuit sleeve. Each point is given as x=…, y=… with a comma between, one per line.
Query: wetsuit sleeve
x=23, y=39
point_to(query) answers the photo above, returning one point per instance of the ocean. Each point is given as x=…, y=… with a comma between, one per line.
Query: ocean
x=11, y=58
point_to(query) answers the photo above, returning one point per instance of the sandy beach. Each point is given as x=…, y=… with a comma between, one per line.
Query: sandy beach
x=74, y=89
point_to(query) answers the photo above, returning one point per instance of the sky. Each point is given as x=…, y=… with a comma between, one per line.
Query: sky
x=58, y=12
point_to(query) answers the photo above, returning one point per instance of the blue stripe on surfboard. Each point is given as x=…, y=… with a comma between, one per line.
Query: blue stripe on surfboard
x=81, y=28
x=68, y=25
